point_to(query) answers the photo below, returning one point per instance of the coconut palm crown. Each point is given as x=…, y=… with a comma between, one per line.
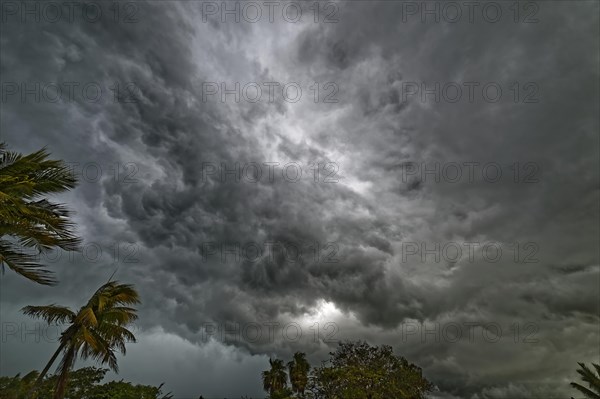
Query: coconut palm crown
x=97, y=330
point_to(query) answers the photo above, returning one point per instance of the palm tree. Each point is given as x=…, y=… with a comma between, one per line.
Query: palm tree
x=592, y=380
x=275, y=380
x=27, y=221
x=298, y=370
x=95, y=331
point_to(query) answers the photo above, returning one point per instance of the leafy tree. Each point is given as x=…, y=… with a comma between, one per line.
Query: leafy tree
x=275, y=380
x=126, y=390
x=360, y=371
x=95, y=331
x=298, y=371
x=80, y=385
x=28, y=222
x=592, y=380
x=16, y=387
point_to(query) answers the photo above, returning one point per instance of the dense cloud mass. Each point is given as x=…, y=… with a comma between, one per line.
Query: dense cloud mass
x=459, y=225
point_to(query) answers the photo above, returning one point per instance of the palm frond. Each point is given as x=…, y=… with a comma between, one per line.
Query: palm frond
x=24, y=264
x=34, y=222
x=34, y=174
x=587, y=392
x=86, y=317
x=50, y=313
x=592, y=380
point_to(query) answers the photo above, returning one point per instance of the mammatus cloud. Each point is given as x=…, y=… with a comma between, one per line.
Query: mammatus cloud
x=462, y=230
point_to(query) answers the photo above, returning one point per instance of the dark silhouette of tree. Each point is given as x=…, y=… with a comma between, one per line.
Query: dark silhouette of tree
x=275, y=379
x=592, y=380
x=298, y=370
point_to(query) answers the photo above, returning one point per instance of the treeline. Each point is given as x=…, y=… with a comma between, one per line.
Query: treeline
x=83, y=383
x=356, y=370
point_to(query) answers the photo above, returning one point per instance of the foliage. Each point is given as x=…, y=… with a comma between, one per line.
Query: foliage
x=592, y=380
x=275, y=380
x=30, y=224
x=298, y=370
x=96, y=331
x=356, y=370
x=83, y=384
x=17, y=387
x=360, y=371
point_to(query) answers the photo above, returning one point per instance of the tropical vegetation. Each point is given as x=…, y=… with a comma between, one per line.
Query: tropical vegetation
x=95, y=331
x=591, y=379
x=84, y=383
x=356, y=370
x=30, y=224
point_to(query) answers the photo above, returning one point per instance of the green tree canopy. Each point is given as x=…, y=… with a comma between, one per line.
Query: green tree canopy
x=357, y=370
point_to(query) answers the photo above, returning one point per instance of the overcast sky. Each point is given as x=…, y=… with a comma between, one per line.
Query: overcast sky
x=412, y=173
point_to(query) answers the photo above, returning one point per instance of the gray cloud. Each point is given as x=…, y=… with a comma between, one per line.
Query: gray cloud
x=172, y=212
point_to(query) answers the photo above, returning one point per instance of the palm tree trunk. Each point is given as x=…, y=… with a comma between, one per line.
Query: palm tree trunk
x=45, y=370
x=63, y=376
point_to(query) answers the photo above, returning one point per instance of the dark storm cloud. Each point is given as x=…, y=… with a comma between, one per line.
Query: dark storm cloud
x=173, y=212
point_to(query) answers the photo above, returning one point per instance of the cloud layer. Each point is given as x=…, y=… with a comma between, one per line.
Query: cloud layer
x=379, y=185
